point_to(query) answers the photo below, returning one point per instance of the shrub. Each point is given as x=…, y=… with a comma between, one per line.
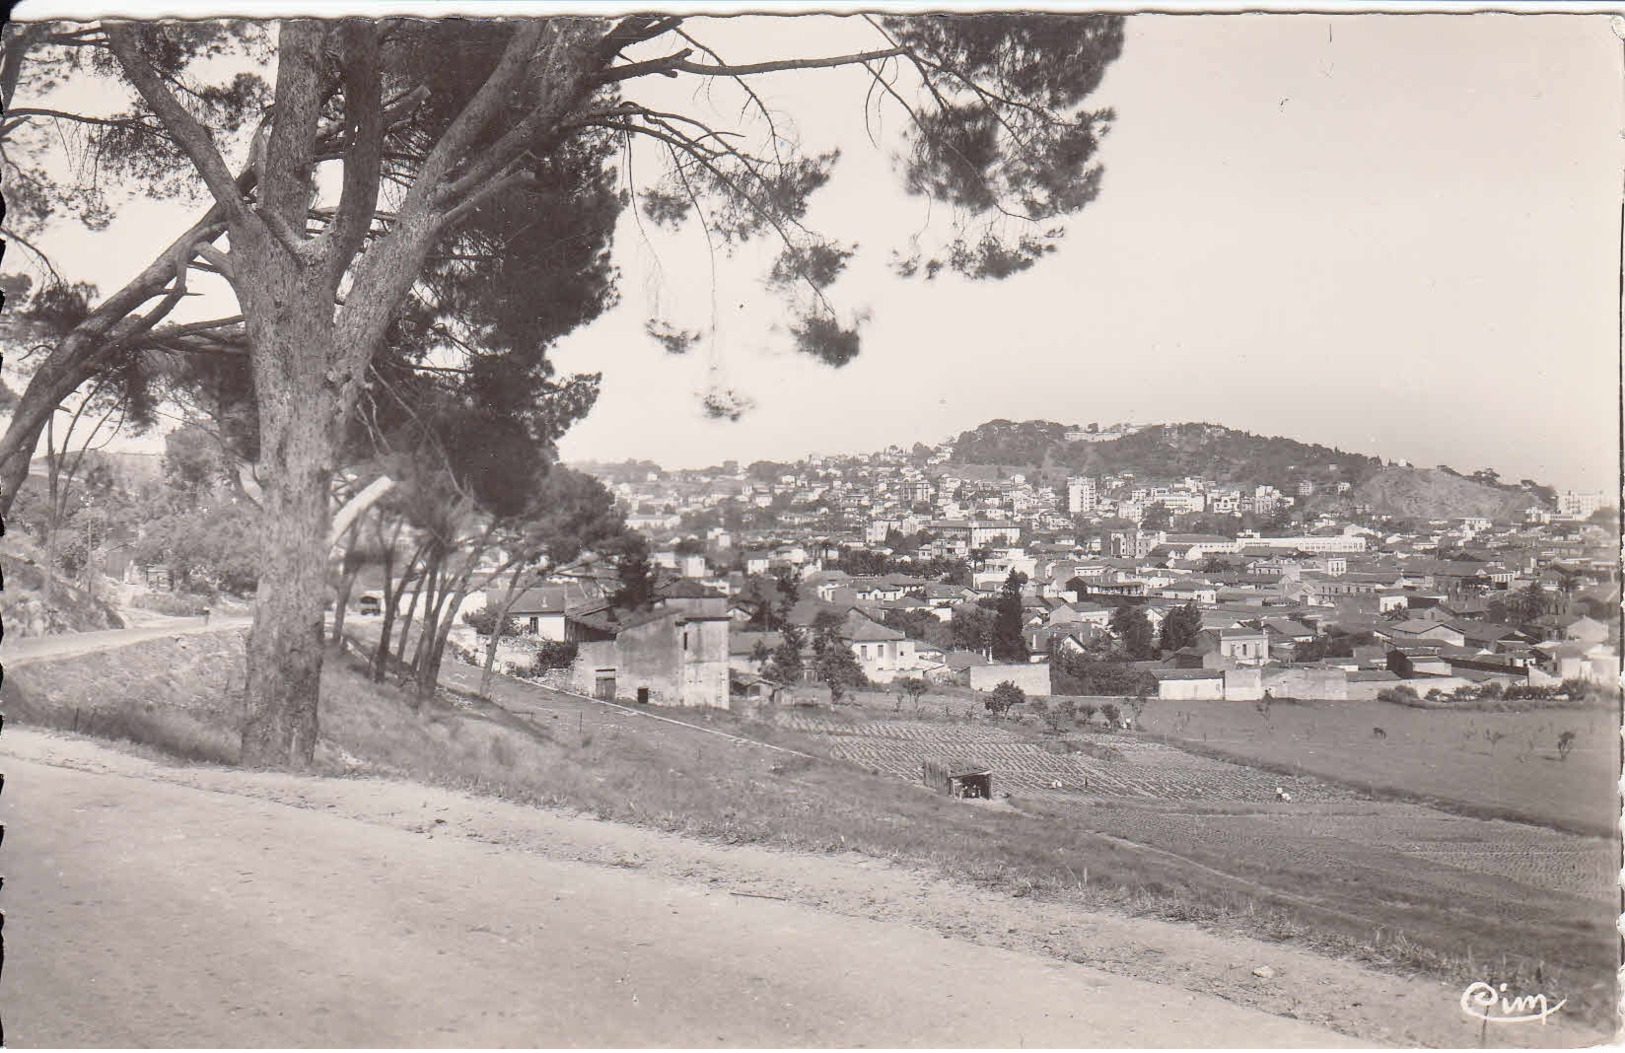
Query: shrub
x=1403, y=695
x=484, y=621
x=554, y=654
x=912, y=687
x=1061, y=712
x=1002, y=697
x=1112, y=714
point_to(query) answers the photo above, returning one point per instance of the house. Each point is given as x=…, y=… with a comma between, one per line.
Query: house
x=673, y=653
x=958, y=664
x=1596, y=663
x=1481, y=634
x=882, y=652
x=744, y=649
x=1240, y=645
x=540, y=610
x=1073, y=638
x=1587, y=630
x=1415, y=661
x=1416, y=630
x=1287, y=630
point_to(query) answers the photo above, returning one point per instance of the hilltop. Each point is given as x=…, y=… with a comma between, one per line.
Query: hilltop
x=1168, y=451
x=1432, y=493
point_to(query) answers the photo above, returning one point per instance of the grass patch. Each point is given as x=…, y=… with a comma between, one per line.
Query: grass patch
x=1435, y=756
x=172, y=732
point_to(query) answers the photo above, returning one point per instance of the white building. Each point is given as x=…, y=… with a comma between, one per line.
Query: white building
x=1578, y=504
x=1082, y=494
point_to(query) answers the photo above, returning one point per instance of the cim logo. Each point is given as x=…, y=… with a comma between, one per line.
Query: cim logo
x=1484, y=1002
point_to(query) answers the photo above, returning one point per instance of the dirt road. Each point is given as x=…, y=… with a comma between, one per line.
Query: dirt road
x=143, y=911
x=22, y=650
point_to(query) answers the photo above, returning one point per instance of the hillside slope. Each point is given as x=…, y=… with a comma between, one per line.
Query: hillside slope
x=1428, y=493
x=26, y=613
x=1165, y=451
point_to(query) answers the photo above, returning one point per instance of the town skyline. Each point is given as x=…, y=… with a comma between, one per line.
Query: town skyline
x=907, y=444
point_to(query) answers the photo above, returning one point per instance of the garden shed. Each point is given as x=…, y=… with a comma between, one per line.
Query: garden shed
x=958, y=778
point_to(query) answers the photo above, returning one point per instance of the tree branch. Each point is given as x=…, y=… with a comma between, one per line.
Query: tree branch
x=364, y=112
x=221, y=260
x=194, y=139
x=478, y=113
x=20, y=114
x=45, y=260
x=679, y=62
x=286, y=187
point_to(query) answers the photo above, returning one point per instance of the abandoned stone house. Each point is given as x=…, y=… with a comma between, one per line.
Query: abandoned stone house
x=673, y=653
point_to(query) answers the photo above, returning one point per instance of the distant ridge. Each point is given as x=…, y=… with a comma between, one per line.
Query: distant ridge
x=1168, y=451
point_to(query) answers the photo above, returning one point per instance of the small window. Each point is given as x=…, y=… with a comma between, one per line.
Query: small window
x=685, y=639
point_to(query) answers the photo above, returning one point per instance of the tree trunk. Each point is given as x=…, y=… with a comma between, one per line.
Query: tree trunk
x=346, y=583
x=392, y=606
x=285, y=645
x=425, y=663
x=509, y=598
x=431, y=610
x=289, y=317
x=411, y=610
x=429, y=672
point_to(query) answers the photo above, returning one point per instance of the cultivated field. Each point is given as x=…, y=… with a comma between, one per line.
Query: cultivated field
x=1497, y=892
x=1443, y=755
x=1087, y=765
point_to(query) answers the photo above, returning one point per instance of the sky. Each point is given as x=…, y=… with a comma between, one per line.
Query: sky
x=1398, y=235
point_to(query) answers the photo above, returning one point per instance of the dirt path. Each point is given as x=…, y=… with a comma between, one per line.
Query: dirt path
x=146, y=911
x=132, y=883
x=24, y=650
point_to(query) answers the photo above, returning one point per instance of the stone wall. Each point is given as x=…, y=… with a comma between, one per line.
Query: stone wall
x=1031, y=677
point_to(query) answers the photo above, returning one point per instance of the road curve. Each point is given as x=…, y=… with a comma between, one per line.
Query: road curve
x=146, y=913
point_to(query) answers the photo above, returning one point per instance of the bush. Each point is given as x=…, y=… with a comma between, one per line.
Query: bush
x=914, y=687
x=1403, y=695
x=554, y=654
x=485, y=619
x=1002, y=697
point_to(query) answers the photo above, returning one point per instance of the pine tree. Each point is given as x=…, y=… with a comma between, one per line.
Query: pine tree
x=1009, y=644
x=1180, y=627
